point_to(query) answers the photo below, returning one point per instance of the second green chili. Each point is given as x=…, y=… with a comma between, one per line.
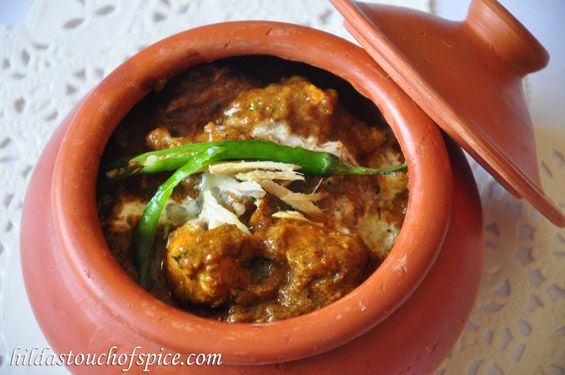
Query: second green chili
x=192, y=158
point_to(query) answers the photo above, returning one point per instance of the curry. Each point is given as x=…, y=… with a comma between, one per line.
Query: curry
x=256, y=241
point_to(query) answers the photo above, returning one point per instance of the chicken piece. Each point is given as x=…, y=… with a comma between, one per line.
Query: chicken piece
x=305, y=108
x=208, y=266
x=324, y=264
x=379, y=229
x=161, y=138
x=220, y=266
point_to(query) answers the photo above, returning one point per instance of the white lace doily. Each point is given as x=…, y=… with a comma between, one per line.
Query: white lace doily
x=65, y=47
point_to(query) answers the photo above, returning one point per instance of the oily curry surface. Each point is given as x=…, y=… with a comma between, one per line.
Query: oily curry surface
x=256, y=246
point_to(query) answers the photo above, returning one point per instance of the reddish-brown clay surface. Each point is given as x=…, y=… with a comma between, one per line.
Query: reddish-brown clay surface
x=414, y=339
x=86, y=303
x=468, y=77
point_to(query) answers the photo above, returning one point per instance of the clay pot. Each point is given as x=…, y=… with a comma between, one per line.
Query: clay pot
x=86, y=303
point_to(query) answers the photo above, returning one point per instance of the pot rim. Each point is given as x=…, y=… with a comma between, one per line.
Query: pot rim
x=78, y=229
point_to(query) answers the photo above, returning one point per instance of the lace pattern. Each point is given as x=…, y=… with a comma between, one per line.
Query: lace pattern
x=63, y=50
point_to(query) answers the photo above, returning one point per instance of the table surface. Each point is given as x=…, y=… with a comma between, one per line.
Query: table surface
x=53, y=52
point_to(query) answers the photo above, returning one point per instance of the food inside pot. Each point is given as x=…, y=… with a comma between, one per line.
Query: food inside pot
x=260, y=238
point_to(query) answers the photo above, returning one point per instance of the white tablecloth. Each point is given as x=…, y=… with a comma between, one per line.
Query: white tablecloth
x=53, y=52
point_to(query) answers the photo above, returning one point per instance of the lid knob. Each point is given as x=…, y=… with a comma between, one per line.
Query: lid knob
x=505, y=35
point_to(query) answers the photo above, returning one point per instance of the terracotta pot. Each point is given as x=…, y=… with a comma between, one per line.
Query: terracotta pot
x=86, y=303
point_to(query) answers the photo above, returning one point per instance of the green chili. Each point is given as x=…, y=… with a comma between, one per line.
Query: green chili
x=147, y=226
x=310, y=162
x=191, y=158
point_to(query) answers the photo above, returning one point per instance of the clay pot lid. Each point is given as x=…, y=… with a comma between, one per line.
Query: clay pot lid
x=467, y=76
